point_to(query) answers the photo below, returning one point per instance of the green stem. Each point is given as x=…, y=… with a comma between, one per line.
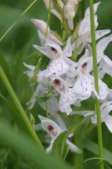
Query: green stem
x=95, y=69
x=22, y=114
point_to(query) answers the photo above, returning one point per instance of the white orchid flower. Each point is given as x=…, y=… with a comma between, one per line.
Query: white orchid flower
x=59, y=64
x=66, y=93
x=50, y=49
x=106, y=108
x=54, y=130
x=54, y=50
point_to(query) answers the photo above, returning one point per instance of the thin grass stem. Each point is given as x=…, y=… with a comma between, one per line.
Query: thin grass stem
x=96, y=81
x=14, y=24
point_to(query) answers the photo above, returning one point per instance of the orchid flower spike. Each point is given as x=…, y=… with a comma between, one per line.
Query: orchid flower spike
x=50, y=49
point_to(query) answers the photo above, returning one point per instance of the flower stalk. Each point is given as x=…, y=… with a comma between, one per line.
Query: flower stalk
x=95, y=71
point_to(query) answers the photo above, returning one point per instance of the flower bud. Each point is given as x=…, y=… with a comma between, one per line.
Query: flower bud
x=40, y=25
x=70, y=10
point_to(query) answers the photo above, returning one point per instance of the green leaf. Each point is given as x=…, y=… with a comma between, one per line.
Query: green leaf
x=93, y=147
x=60, y=147
x=28, y=150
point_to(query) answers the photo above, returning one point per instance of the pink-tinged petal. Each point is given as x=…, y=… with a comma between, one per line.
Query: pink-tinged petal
x=44, y=32
x=40, y=25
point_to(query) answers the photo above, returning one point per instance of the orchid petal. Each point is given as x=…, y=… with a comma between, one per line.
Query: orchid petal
x=106, y=66
x=73, y=147
x=108, y=123
x=41, y=25
x=101, y=46
x=58, y=67
x=101, y=33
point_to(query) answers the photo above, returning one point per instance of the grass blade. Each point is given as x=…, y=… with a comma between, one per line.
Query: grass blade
x=22, y=114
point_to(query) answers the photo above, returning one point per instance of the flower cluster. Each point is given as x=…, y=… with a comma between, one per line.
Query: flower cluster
x=69, y=80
